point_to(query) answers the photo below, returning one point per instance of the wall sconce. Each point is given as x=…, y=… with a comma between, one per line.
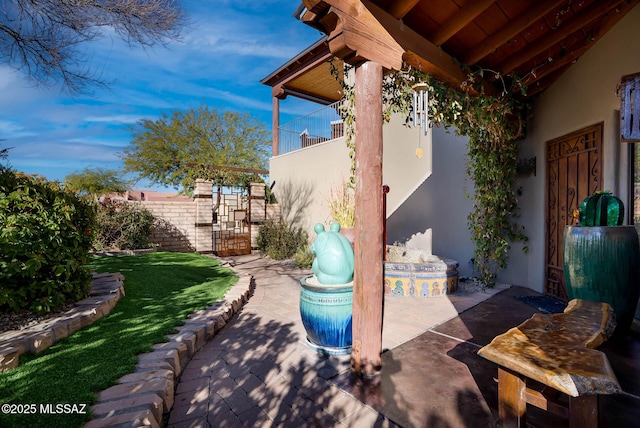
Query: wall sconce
x=526, y=166
x=420, y=111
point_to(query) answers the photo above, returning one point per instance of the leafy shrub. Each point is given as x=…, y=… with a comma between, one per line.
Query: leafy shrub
x=279, y=240
x=45, y=239
x=123, y=225
x=304, y=257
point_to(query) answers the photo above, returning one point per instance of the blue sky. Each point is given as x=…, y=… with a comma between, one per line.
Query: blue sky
x=228, y=48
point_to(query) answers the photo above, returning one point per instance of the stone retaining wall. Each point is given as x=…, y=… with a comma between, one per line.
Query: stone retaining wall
x=106, y=290
x=144, y=397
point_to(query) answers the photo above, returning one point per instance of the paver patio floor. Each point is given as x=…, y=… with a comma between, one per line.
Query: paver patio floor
x=259, y=372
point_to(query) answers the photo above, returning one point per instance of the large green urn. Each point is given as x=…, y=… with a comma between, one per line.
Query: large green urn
x=602, y=262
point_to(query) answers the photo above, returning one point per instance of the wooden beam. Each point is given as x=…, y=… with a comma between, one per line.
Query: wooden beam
x=542, y=84
x=275, y=125
x=354, y=34
x=515, y=26
x=321, y=56
x=548, y=74
x=585, y=17
x=399, y=8
x=418, y=51
x=368, y=278
x=229, y=168
x=361, y=31
x=512, y=406
x=459, y=20
x=557, y=64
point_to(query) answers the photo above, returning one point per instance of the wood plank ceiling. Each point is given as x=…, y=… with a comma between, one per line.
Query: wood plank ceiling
x=532, y=40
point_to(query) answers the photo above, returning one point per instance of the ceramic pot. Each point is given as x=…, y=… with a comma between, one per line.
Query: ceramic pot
x=326, y=312
x=602, y=264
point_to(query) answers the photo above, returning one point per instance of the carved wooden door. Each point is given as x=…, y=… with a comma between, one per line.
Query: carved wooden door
x=574, y=171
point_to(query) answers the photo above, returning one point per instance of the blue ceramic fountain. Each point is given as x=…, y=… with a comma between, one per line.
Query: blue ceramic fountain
x=326, y=297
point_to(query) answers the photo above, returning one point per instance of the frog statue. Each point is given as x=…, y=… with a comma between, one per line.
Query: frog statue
x=334, y=255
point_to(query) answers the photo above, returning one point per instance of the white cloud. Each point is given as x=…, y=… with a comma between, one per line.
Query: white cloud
x=118, y=118
x=223, y=54
x=10, y=129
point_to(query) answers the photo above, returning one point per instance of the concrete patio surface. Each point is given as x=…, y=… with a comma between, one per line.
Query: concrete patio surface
x=258, y=371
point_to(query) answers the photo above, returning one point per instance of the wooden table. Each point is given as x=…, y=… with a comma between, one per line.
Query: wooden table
x=558, y=352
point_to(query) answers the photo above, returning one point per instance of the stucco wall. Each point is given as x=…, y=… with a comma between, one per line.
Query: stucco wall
x=583, y=96
x=303, y=181
x=439, y=206
x=304, y=178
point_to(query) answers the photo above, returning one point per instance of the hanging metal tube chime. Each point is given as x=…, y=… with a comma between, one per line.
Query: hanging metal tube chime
x=421, y=106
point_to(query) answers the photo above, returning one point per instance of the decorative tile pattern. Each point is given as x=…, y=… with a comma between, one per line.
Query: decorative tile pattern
x=430, y=279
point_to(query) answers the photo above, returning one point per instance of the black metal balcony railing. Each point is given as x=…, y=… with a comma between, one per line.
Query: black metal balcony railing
x=314, y=128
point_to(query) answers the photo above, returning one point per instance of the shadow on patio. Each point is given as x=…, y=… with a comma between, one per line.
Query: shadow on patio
x=438, y=380
x=258, y=371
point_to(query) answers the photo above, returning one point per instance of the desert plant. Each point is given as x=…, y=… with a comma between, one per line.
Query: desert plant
x=601, y=209
x=342, y=205
x=304, y=257
x=280, y=240
x=123, y=225
x=45, y=241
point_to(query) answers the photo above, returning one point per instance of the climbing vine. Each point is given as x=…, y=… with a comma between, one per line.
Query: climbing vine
x=493, y=125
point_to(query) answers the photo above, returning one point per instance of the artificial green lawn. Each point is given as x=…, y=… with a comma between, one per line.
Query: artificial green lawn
x=161, y=289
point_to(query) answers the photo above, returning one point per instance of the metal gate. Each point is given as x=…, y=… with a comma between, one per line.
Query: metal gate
x=231, y=225
x=574, y=171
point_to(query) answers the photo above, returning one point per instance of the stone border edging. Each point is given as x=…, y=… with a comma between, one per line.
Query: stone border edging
x=112, y=253
x=106, y=290
x=143, y=397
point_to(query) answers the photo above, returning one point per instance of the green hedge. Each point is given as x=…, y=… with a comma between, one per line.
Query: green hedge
x=280, y=240
x=123, y=225
x=45, y=241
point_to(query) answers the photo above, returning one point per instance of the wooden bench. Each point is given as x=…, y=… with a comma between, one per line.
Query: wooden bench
x=558, y=352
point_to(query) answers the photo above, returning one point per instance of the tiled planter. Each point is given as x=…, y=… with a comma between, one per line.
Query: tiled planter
x=433, y=278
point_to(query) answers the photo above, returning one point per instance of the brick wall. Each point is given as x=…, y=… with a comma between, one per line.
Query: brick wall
x=187, y=225
x=175, y=225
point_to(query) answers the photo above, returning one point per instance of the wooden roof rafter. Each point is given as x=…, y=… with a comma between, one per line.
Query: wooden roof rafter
x=506, y=33
x=572, y=53
x=448, y=38
x=359, y=30
x=581, y=19
x=457, y=22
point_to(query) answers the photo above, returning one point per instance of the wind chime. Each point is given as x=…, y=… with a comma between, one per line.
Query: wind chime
x=421, y=111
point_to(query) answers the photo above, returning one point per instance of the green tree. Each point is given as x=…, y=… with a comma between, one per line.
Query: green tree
x=179, y=148
x=96, y=182
x=43, y=38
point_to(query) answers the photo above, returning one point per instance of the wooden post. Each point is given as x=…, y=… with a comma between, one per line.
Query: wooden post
x=583, y=411
x=369, y=248
x=275, y=125
x=512, y=403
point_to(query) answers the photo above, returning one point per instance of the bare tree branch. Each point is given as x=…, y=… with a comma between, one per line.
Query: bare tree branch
x=42, y=38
